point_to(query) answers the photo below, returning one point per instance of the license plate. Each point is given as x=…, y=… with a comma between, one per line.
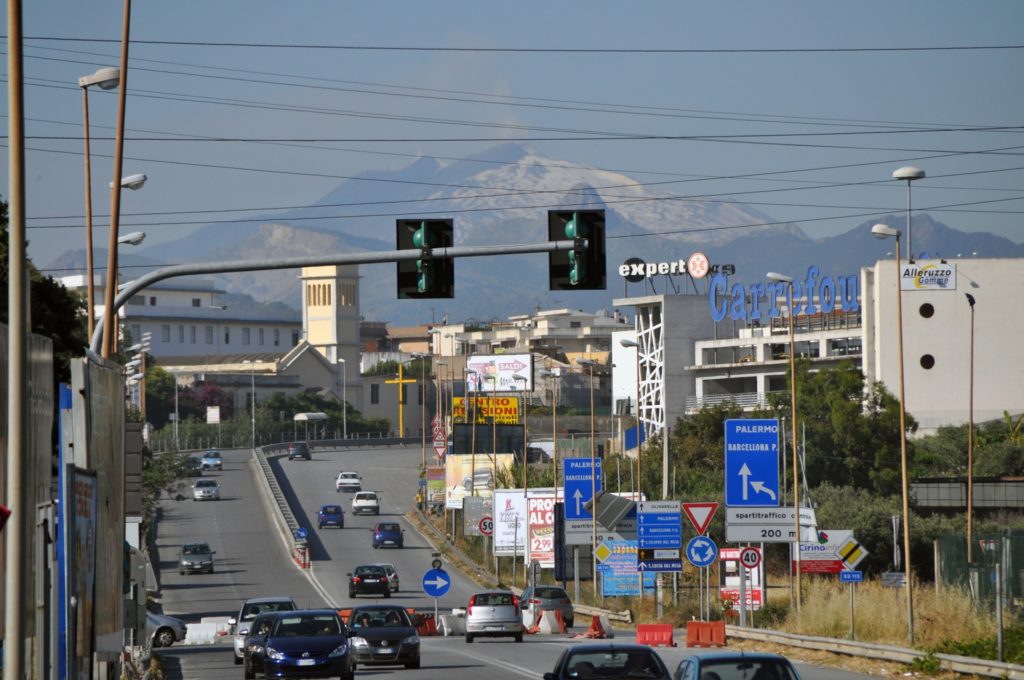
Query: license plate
x=494, y=627
x=305, y=662
x=386, y=650
x=372, y=580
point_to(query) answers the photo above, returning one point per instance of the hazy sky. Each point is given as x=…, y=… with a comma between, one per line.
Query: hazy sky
x=804, y=108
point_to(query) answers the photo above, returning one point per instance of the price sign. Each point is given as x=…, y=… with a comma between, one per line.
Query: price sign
x=750, y=557
x=486, y=526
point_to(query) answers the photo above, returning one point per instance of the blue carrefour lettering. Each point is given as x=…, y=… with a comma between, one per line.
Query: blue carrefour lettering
x=719, y=284
x=744, y=303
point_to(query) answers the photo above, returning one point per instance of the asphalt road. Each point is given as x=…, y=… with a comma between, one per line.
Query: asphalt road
x=251, y=561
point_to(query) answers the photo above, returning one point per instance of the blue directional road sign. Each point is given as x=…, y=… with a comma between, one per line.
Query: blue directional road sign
x=752, y=463
x=579, y=477
x=436, y=582
x=659, y=524
x=701, y=551
x=851, y=576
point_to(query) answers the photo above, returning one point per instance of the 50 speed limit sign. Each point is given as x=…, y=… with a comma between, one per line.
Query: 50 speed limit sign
x=750, y=557
x=486, y=526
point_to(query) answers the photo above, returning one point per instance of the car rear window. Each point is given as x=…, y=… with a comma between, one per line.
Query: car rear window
x=748, y=668
x=494, y=599
x=369, y=571
x=331, y=509
x=388, y=527
x=551, y=593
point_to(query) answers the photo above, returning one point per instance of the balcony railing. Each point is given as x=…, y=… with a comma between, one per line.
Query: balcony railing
x=745, y=400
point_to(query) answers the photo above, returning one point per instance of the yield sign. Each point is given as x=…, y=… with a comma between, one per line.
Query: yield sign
x=700, y=514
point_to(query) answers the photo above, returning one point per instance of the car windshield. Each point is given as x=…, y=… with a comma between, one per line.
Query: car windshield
x=195, y=549
x=250, y=610
x=615, y=664
x=379, y=617
x=366, y=496
x=212, y=454
x=307, y=625
x=331, y=509
x=369, y=571
x=206, y=483
x=746, y=669
x=550, y=593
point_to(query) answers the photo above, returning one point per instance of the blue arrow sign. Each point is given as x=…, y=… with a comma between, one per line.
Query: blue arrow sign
x=579, y=478
x=660, y=565
x=752, y=463
x=436, y=582
x=851, y=576
x=701, y=551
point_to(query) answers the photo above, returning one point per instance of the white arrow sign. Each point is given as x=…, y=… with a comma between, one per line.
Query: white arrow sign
x=579, y=506
x=759, y=487
x=709, y=552
x=438, y=582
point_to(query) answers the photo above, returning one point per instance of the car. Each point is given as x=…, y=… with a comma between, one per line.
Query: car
x=330, y=516
x=388, y=533
x=194, y=466
x=254, y=641
x=348, y=481
x=299, y=450
x=248, y=612
x=369, y=579
x=547, y=598
x=206, y=490
x=494, y=613
x=164, y=631
x=308, y=643
x=211, y=460
x=725, y=665
x=392, y=574
x=383, y=635
x=195, y=557
x=366, y=502
x=598, y=660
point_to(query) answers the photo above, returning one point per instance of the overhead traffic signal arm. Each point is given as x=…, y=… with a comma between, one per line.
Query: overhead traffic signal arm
x=583, y=267
x=428, y=276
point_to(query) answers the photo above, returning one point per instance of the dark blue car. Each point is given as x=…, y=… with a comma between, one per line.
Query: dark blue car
x=311, y=643
x=330, y=516
x=388, y=533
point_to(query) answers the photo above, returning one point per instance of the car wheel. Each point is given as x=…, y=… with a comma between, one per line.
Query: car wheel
x=248, y=673
x=519, y=637
x=568, y=622
x=469, y=637
x=387, y=593
x=238, y=662
x=164, y=637
x=413, y=664
x=351, y=593
x=181, y=572
x=375, y=546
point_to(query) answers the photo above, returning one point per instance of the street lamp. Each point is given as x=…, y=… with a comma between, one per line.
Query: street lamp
x=439, y=410
x=788, y=281
x=252, y=375
x=526, y=437
x=885, y=231
x=472, y=446
x=344, y=398
x=107, y=79
x=593, y=463
x=908, y=173
x=493, y=379
x=970, y=444
x=625, y=342
x=132, y=239
x=553, y=377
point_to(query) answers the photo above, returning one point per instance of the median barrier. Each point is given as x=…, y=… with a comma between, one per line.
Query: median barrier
x=705, y=633
x=655, y=634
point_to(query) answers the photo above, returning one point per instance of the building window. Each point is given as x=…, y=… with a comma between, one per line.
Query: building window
x=209, y=335
x=181, y=334
x=138, y=300
x=197, y=302
x=419, y=394
x=374, y=394
x=227, y=336
x=927, y=310
x=927, y=362
x=259, y=332
x=295, y=338
x=192, y=334
x=152, y=302
x=246, y=336
x=136, y=332
x=165, y=333
x=277, y=337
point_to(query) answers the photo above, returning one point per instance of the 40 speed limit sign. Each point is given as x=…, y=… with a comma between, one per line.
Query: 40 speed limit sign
x=750, y=557
x=486, y=526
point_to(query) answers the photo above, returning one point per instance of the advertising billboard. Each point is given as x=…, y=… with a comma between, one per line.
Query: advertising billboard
x=465, y=474
x=509, y=522
x=541, y=522
x=503, y=368
x=504, y=410
x=435, y=484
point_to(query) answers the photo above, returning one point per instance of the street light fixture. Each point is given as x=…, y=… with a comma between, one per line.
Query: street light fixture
x=344, y=398
x=885, y=231
x=526, y=437
x=908, y=173
x=132, y=239
x=593, y=462
x=788, y=281
x=132, y=182
x=106, y=79
x=252, y=376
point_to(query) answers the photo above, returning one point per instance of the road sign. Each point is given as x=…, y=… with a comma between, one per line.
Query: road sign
x=486, y=526
x=582, y=477
x=436, y=583
x=851, y=576
x=750, y=557
x=752, y=462
x=700, y=514
x=768, y=525
x=701, y=551
x=659, y=525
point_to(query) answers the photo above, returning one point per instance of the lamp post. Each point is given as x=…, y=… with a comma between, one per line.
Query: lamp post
x=107, y=79
x=908, y=173
x=593, y=463
x=493, y=379
x=344, y=398
x=472, y=437
x=439, y=409
x=788, y=281
x=252, y=376
x=625, y=342
x=970, y=444
x=885, y=231
x=132, y=239
x=554, y=378
x=526, y=437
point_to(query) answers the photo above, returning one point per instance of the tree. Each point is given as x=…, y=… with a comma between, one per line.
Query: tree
x=160, y=386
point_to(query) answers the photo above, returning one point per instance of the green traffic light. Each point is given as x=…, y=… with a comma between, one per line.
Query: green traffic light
x=420, y=237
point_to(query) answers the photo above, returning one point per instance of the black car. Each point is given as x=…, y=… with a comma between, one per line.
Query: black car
x=609, y=660
x=194, y=466
x=195, y=558
x=253, y=646
x=299, y=450
x=310, y=643
x=369, y=579
x=383, y=635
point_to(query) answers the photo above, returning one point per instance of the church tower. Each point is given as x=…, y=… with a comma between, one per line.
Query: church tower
x=330, y=322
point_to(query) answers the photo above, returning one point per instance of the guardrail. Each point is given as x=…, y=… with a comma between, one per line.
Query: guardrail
x=950, y=662
x=282, y=512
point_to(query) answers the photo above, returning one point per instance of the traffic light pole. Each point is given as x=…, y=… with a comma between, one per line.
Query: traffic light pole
x=372, y=257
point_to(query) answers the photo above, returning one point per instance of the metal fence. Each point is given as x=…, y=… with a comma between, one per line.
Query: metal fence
x=1004, y=548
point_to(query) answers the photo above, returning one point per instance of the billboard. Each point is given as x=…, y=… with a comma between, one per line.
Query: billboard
x=502, y=367
x=541, y=523
x=435, y=484
x=465, y=474
x=504, y=410
x=834, y=551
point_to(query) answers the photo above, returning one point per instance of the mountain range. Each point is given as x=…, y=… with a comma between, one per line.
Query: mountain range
x=502, y=197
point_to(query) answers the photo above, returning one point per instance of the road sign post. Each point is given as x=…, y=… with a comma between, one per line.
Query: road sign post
x=659, y=532
x=436, y=583
x=752, y=462
x=580, y=479
x=852, y=577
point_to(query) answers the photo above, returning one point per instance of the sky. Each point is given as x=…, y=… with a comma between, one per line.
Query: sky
x=801, y=110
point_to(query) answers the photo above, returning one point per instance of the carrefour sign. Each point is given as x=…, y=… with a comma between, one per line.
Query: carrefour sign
x=814, y=295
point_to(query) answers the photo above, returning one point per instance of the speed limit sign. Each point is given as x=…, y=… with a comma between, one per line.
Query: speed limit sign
x=750, y=557
x=486, y=526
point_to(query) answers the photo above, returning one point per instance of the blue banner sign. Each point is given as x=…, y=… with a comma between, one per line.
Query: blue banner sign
x=761, y=300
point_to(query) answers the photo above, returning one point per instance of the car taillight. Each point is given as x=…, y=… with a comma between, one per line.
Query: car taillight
x=566, y=600
x=515, y=603
x=356, y=579
x=469, y=607
x=534, y=601
x=383, y=579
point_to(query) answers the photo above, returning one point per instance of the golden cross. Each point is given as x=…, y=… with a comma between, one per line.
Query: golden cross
x=401, y=401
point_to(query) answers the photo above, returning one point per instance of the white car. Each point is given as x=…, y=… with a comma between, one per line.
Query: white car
x=206, y=490
x=348, y=481
x=365, y=501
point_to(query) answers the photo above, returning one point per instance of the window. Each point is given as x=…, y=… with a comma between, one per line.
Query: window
x=136, y=332
x=209, y=335
x=197, y=302
x=165, y=333
x=246, y=336
x=192, y=334
x=181, y=334
x=927, y=310
x=295, y=338
x=227, y=336
x=152, y=301
x=277, y=337
x=374, y=394
x=137, y=300
x=259, y=333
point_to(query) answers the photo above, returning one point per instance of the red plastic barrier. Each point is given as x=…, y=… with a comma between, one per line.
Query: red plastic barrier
x=655, y=634
x=705, y=633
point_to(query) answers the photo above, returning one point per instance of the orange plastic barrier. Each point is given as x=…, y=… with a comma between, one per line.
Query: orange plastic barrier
x=345, y=613
x=594, y=632
x=425, y=624
x=705, y=633
x=655, y=634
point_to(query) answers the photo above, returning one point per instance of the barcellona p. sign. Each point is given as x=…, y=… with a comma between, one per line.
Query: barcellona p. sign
x=761, y=300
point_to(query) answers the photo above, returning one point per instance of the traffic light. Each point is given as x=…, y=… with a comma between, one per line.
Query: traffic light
x=428, y=276
x=582, y=268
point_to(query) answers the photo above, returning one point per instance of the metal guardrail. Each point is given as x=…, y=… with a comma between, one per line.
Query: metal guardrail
x=282, y=511
x=950, y=662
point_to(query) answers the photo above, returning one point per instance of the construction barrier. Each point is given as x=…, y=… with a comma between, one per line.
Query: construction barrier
x=425, y=624
x=655, y=634
x=596, y=631
x=345, y=614
x=705, y=633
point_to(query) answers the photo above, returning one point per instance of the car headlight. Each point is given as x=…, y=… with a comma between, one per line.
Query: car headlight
x=411, y=640
x=256, y=649
x=358, y=642
x=274, y=654
x=340, y=650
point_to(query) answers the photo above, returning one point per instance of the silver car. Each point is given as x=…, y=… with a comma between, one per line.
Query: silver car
x=494, y=613
x=164, y=631
x=206, y=490
x=250, y=609
x=392, y=574
x=547, y=598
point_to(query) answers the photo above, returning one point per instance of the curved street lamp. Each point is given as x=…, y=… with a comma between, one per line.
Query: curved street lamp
x=625, y=342
x=526, y=437
x=593, y=462
x=910, y=174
